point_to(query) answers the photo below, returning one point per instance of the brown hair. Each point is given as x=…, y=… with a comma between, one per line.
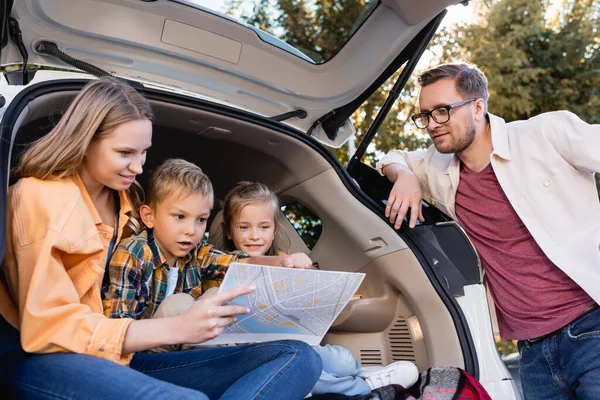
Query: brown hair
x=99, y=108
x=243, y=194
x=470, y=81
x=177, y=177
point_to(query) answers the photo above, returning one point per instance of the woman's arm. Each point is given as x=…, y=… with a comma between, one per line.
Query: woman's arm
x=54, y=319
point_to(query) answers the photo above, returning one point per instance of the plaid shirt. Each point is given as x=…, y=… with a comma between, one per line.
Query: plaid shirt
x=138, y=275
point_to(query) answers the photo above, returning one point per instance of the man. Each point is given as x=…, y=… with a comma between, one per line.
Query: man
x=525, y=194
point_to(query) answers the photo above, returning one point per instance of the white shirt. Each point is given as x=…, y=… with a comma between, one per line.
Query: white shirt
x=172, y=276
x=545, y=166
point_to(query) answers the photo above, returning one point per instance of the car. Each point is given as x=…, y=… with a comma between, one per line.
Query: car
x=245, y=105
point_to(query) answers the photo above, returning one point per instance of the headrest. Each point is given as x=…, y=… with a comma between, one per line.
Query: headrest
x=294, y=245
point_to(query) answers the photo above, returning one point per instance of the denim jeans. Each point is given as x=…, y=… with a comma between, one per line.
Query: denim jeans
x=565, y=365
x=282, y=369
x=340, y=373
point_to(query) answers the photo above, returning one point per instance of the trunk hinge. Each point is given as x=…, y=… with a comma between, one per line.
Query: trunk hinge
x=300, y=114
x=51, y=49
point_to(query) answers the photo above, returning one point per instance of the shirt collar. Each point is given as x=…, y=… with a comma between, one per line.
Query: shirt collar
x=159, y=258
x=500, y=145
x=124, y=202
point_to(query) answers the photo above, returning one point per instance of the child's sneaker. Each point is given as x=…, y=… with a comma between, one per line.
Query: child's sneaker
x=403, y=373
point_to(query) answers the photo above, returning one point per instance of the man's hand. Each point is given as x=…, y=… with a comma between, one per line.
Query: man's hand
x=297, y=260
x=405, y=194
x=209, y=316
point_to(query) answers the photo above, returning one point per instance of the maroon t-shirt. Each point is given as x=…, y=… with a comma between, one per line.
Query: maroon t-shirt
x=533, y=296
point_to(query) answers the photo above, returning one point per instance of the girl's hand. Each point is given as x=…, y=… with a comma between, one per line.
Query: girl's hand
x=297, y=260
x=209, y=316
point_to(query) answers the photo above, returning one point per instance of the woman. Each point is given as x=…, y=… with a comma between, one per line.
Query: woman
x=75, y=198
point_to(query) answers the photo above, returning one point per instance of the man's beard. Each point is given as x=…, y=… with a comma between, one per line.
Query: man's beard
x=458, y=145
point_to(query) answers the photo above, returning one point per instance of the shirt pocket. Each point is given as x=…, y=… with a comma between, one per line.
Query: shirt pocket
x=550, y=198
x=586, y=327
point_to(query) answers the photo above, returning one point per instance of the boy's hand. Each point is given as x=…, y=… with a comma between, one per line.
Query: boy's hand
x=297, y=260
x=208, y=317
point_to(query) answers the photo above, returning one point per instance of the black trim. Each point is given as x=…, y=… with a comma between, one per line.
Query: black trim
x=395, y=92
x=5, y=10
x=51, y=49
x=336, y=118
x=42, y=88
x=300, y=114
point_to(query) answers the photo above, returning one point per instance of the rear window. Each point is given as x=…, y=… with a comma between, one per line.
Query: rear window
x=314, y=30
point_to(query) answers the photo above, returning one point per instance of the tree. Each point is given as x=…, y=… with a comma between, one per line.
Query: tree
x=536, y=60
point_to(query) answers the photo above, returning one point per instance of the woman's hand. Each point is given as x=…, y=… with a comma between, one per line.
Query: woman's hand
x=209, y=316
x=297, y=260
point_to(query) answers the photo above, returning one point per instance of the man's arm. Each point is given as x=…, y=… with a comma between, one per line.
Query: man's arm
x=577, y=142
x=406, y=193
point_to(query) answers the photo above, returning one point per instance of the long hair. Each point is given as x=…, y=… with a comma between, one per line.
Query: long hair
x=243, y=194
x=98, y=109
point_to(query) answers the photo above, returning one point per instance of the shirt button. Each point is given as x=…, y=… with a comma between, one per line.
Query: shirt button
x=161, y=293
x=547, y=183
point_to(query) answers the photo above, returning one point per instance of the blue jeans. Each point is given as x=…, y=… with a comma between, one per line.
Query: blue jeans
x=282, y=369
x=340, y=372
x=565, y=365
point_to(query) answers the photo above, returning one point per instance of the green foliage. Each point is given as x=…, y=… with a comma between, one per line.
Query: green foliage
x=317, y=28
x=306, y=222
x=536, y=60
x=506, y=346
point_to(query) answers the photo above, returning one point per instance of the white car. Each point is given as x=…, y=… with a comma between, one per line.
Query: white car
x=244, y=105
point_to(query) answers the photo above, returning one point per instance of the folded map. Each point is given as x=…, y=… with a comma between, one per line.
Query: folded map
x=287, y=303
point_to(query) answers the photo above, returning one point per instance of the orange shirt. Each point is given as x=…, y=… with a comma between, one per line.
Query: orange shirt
x=54, y=264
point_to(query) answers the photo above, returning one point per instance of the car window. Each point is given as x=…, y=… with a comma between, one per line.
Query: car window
x=308, y=225
x=315, y=30
x=396, y=131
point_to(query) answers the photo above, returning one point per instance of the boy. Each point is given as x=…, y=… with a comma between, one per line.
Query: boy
x=167, y=257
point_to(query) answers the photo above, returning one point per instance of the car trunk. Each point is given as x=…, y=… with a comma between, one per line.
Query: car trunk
x=400, y=312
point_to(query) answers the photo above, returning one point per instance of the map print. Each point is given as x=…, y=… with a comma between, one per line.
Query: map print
x=287, y=303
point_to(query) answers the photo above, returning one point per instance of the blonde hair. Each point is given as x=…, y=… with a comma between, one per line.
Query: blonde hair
x=177, y=177
x=99, y=108
x=243, y=194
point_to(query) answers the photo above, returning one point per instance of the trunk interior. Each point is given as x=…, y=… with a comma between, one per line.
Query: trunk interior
x=397, y=314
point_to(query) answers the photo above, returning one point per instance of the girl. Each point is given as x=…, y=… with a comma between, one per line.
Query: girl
x=71, y=206
x=250, y=226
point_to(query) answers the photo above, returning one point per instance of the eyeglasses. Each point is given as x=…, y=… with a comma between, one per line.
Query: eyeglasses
x=441, y=115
